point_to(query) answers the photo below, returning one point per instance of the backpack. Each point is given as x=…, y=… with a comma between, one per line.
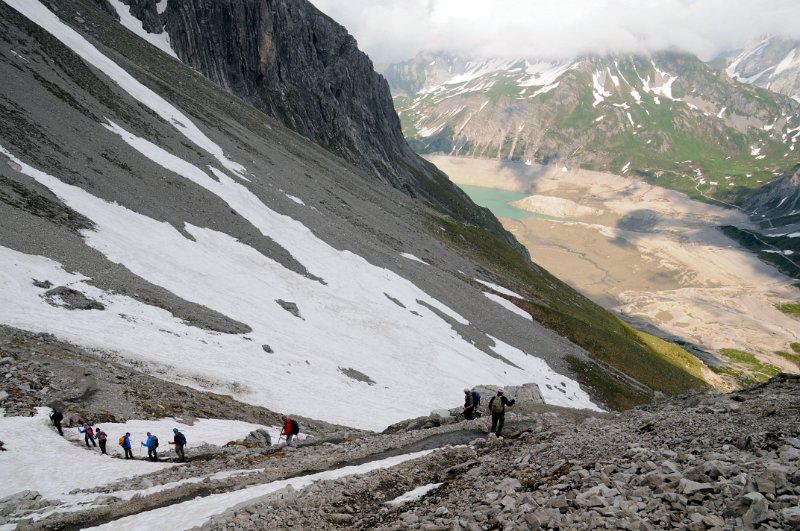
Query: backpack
x=155, y=442
x=101, y=435
x=90, y=432
x=122, y=441
x=295, y=427
x=476, y=399
x=181, y=439
x=496, y=404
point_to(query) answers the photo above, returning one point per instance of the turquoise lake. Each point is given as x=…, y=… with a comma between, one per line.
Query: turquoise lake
x=498, y=202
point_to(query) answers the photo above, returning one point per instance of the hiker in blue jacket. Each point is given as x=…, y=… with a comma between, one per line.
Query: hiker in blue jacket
x=152, y=445
x=126, y=445
x=88, y=435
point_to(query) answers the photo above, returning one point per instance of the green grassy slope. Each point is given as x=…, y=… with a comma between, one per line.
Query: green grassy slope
x=616, y=349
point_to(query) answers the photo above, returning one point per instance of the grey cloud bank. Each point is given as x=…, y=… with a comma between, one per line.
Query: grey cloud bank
x=395, y=30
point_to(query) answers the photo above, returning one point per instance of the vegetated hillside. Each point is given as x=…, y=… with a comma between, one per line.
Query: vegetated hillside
x=154, y=217
x=772, y=63
x=669, y=118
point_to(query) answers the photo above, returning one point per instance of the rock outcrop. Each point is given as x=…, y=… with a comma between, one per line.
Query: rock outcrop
x=300, y=67
x=709, y=461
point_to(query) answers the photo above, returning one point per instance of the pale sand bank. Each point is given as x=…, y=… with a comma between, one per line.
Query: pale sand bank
x=653, y=255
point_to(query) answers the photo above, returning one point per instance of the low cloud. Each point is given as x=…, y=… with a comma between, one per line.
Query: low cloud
x=395, y=30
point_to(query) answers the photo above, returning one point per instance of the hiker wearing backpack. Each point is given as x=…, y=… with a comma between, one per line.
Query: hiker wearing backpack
x=179, y=440
x=152, y=446
x=88, y=435
x=469, y=405
x=102, y=438
x=290, y=429
x=497, y=405
x=125, y=442
x=57, y=417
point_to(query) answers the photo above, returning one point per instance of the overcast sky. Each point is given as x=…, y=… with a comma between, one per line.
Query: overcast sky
x=395, y=30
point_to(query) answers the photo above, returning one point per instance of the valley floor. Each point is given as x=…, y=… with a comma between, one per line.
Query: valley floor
x=652, y=255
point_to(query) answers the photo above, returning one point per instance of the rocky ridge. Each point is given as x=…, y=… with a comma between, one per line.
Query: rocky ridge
x=700, y=461
x=706, y=461
x=298, y=66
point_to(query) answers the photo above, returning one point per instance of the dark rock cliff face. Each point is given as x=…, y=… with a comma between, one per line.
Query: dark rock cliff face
x=300, y=67
x=145, y=10
x=779, y=198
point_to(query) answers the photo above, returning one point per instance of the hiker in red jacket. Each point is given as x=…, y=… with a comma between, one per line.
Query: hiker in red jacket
x=290, y=429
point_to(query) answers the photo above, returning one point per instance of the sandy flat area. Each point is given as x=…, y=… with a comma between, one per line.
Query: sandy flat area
x=650, y=254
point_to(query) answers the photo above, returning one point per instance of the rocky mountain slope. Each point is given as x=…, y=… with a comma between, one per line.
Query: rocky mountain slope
x=775, y=207
x=669, y=118
x=155, y=218
x=699, y=461
x=772, y=63
x=303, y=69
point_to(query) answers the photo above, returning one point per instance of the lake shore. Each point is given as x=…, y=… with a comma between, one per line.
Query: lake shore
x=652, y=255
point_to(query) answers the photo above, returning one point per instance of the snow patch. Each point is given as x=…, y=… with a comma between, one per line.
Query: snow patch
x=37, y=13
x=508, y=305
x=414, y=495
x=499, y=289
x=159, y=40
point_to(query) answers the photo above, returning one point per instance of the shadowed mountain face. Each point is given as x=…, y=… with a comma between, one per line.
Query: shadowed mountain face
x=303, y=69
x=775, y=208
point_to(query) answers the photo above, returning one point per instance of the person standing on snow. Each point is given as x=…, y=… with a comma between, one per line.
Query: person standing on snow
x=152, y=445
x=125, y=442
x=290, y=429
x=57, y=417
x=88, y=435
x=497, y=405
x=102, y=438
x=179, y=440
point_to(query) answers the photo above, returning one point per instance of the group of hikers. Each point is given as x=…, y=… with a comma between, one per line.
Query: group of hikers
x=93, y=435
x=497, y=407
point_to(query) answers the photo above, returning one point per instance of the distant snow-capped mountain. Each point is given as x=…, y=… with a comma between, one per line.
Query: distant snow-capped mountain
x=772, y=63
x=669, y=117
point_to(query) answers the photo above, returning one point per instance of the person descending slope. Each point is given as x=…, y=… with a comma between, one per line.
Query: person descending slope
x=88, y=434
x=497, y=405
x=290, y=429
x=125, y=442
x=57, y=417
x=152, y=445
x=102, y=438
x=179, y=440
